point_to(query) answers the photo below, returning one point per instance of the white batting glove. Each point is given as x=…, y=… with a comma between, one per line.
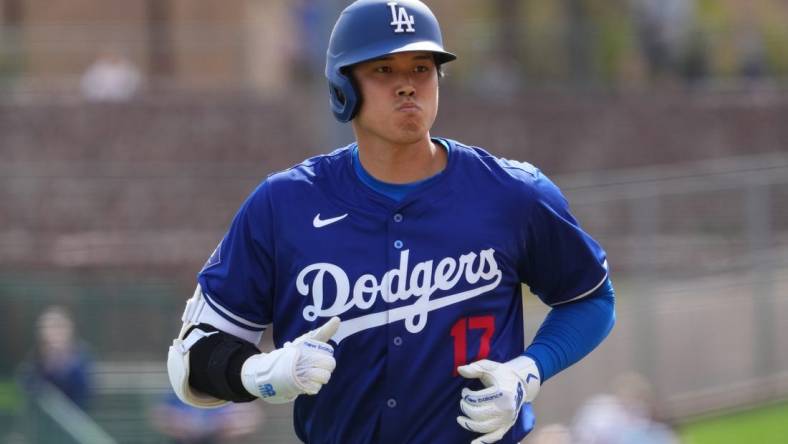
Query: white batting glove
x=493, y=410
x=300, y=367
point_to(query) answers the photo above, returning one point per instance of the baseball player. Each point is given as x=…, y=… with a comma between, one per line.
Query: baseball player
x=391, y=269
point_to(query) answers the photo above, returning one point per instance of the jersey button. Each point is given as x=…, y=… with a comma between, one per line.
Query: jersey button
x=397, y=244
x=397, y=217
x=391, y=403
x=397, y=341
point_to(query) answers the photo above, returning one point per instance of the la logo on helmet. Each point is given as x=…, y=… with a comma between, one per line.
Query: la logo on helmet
x=400, y=18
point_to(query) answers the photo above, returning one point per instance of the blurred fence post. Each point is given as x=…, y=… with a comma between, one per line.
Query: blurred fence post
x=644, y=213
x=759, y=239
x=160, y=51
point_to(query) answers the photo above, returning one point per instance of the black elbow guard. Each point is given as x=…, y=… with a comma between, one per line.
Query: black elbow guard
x=215, y=363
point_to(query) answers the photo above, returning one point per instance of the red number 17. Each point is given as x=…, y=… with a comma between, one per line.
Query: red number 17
x=459, y=331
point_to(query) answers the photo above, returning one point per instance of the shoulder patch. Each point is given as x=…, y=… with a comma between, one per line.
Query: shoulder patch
x=523, y=166
x=215, y=258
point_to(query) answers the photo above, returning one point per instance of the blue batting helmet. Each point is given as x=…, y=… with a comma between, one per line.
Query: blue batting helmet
x=368, y=29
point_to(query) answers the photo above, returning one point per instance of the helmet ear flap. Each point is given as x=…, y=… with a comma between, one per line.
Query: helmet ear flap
x=340, y=97
x=345, y=101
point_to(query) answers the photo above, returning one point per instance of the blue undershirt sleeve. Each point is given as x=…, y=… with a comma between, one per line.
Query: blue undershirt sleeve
x=570, y=331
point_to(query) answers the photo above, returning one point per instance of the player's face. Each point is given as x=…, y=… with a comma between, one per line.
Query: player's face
x=399, y=97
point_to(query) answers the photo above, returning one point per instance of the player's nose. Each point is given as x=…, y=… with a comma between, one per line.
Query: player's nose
x=406, y=90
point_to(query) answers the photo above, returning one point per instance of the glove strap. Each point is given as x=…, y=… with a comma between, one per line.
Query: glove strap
x=528, y=372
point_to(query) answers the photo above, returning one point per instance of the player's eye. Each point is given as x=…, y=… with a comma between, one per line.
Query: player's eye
x=422, y=68
x=383, y=69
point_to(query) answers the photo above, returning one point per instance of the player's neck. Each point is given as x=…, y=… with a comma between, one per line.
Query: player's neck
x=396, y=163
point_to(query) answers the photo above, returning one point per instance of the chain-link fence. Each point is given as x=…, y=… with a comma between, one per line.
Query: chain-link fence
x=699, y=255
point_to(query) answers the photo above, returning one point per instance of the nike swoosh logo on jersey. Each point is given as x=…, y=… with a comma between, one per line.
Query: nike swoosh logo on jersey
x=317, y=222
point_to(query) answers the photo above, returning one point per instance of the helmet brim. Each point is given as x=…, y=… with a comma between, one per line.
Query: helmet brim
x=374, y=52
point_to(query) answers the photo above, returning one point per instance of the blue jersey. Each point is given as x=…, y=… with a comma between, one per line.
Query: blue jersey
x=421, y=285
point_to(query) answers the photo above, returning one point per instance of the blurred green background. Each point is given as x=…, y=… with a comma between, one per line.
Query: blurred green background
x=131, y=131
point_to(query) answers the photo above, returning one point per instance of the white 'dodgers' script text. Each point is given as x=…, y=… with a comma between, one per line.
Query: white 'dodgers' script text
x=399, y=284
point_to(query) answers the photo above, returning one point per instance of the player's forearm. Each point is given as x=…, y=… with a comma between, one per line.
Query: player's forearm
x=198, y=362
x=573, y=330
x=208, y=366
x=216, y=363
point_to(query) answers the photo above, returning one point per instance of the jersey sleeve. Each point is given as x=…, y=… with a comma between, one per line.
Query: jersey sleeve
x=238, y=279
x=561, y=262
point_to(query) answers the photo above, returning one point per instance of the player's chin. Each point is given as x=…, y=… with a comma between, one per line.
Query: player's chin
x=410, y=133
x=411, y=124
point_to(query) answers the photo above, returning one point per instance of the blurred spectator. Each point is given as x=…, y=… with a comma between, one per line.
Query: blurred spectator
x=751, y=55
x=111, y=78
x=625, y=417
x=665, y=30
x=311, y=22
x=59, y=360
x=185, y=424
